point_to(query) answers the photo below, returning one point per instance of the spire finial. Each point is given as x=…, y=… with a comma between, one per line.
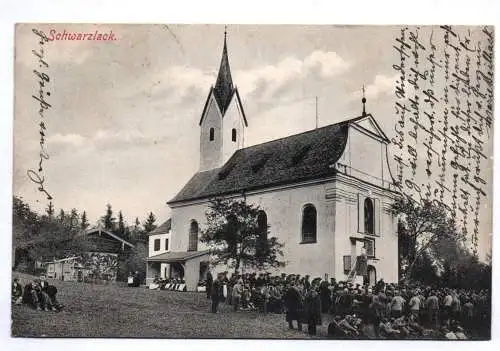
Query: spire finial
x=363, y=100
x=225, y=32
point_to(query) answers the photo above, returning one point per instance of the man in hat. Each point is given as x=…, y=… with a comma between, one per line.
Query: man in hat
x=312, y=308
x=294, y=305
x=307, y=283
x=325, y=295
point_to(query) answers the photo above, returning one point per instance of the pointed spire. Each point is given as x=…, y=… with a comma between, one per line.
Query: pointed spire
x=363, y=100
x=224, y=84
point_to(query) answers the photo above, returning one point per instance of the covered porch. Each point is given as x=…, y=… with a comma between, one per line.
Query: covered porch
x=192, y=266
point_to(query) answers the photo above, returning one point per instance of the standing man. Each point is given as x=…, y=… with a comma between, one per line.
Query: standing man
x=294, y=305
x=236, y=294
x=324, y=291
x=217, y=292
x=397, y=305
x=210, y=281
x=312, y=309
x=432, y=306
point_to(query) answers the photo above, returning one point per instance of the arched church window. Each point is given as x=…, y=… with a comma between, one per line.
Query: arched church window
x=212, y=134
x=369, y=217
x=233, y=134
x=193, y=236
x=262, y=234
x=309, y=219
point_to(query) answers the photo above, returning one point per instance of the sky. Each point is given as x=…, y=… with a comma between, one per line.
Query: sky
x=123, y=126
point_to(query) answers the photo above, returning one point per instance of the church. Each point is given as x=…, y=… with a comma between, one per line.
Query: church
x=325, y=193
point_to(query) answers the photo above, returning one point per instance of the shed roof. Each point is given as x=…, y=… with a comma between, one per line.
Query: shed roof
x=172, y=257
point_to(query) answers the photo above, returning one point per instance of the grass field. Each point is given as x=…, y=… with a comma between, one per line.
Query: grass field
x=118, y=311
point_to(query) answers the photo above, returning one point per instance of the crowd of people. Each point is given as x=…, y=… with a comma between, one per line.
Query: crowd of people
x=382, y=311
x=37, y=293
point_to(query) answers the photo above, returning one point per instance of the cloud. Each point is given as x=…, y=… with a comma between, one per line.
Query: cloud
x=268, y=80
x=329, y=63
x=69, y=139
x=102, y=140
x=381, y=85
x=178, y=84
x=180, y=81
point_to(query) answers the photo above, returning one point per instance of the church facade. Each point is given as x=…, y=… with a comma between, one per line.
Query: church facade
x=325, y=193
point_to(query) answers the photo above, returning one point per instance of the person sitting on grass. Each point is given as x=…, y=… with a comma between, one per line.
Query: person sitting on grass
x=386, y=330
x=49, y=297
x=17, y=292
x=33, y=295
x=459, y=332
x=154, y=285
x=344, y=327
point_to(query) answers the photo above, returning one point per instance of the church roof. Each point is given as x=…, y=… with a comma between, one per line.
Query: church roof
x=296, y=158
x=223, y=89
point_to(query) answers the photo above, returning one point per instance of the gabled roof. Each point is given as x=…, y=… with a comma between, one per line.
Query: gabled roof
x=171, y=257
x=369, y=124
x=164, y=228
x=235, y=93
x=296, y=158
x=114, y=236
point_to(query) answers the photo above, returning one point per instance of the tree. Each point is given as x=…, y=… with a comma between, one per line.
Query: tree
x=461, y=268
x=84, y=223
x=135, y=233
x=134, y=261
x=73, y=218
x=108, y=220
x=62, y=216
x=235, y=239
x=422, y=226
x=121, y=225
x=150, y=225
x=39, y=237
x=50, y=210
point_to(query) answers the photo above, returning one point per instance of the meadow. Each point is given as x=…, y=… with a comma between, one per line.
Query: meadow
x=115, y=310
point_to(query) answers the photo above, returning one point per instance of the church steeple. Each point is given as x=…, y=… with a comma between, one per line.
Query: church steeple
x=223, y=89
x=223, y=121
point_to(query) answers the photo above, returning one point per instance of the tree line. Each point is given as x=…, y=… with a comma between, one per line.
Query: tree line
x=431, y=249
x=41, y=237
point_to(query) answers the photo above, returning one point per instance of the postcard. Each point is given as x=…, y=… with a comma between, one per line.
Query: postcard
x=253, y=181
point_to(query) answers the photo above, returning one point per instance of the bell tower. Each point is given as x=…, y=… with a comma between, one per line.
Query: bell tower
x=223, y=121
